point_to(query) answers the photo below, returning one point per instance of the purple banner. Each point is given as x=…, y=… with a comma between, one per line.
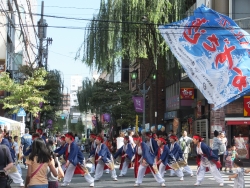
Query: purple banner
x=138, y=104
x=49, y=122
x=94, y=122
x=106, y=117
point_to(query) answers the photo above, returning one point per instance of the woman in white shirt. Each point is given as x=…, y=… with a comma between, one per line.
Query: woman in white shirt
x=119, y=141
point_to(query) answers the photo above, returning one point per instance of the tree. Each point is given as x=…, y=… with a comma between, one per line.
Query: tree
x=128, y=29
x=27, y=95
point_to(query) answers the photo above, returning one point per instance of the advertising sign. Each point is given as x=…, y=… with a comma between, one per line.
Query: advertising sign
x=187, y=93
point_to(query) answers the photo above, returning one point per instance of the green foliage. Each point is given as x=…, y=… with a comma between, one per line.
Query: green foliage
x=119, y=32
x=107, y=97
x=80, y=128
x=58, y=125
x=27, y=95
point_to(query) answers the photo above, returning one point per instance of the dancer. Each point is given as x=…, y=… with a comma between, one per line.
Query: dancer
x=151, y=142
x=75, y=162
x=165, y=158
x=144, y=160
x=103, y=159
x=126, y=152
x=175, y=149
x=206, y=159
x=92, y=138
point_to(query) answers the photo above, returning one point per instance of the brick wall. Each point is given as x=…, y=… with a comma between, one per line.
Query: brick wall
x=234, y=108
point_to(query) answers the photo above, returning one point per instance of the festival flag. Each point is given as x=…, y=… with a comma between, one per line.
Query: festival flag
x=214, y=52
x=138, y=104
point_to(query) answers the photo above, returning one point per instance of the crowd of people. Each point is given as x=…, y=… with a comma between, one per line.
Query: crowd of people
x=49, y=161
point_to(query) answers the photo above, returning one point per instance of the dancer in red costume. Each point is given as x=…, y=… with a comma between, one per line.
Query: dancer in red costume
x=103, y=159
x=126, y=153
x=144, y=161
x=75, y=162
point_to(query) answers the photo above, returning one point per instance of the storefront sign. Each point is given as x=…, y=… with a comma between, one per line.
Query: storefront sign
x=173, y=103
x=246, y=104
x=187, y=93
x=170, y=115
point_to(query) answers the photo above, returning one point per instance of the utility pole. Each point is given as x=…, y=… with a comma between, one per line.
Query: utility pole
x=144, y=91
x=42, y=32
x=49, y=41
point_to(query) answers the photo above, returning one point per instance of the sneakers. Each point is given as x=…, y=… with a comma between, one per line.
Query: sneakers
x=181, y=179
x=92, y=184
x=197, y=184
x=137, y=185
x=192, y=175
x=92, y=172
x=64, y=184
x=121, y=175
x=96, y=179
x=163, y=185
x=221, y=184
x=115, y=179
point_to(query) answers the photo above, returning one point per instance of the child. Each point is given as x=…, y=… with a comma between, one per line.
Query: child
x=239, y=181
x=228, y=159
x=234, y=153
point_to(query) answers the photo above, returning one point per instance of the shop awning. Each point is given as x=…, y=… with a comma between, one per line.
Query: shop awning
x=237, y=121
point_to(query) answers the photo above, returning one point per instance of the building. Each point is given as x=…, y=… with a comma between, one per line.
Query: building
x=75, y=83
x=18, y=43
x=66, y=102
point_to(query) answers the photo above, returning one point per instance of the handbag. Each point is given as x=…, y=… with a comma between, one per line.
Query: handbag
x=9, y=180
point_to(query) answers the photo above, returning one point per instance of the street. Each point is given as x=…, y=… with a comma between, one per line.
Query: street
x=148, y=181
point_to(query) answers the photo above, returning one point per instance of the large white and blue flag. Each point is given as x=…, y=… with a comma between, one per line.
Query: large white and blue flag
x=215, y=53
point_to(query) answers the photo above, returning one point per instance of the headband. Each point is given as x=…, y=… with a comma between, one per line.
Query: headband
x=174, y=137
x=40, y=131
x=154, y=135
x=99, y=138
x=92, y=136
x=162, y=140
x=198, y=138
x=70, y=136
x=63, y=138
x=149, y=135
x=137, y=139
x=125, y=138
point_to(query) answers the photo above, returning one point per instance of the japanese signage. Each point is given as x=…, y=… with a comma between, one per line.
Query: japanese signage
x=246, y=105
x=173, y=103
x=216, y=60
x=187, y=93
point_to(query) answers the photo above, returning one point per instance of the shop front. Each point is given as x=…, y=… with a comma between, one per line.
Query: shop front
x=238, y=129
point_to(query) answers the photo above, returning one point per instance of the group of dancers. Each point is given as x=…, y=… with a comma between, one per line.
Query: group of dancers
x=153, y=155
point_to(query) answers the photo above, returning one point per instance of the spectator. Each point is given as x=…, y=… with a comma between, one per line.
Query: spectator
x=38, y=162
x=185, y=142
x=76, y=139
x=26, y=141
x=4, y=156
x=131, y=141
x=222, y=147
x=216, y=143
x=119, y=140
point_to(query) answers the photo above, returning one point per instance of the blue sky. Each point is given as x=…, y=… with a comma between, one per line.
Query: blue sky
x=67, y=41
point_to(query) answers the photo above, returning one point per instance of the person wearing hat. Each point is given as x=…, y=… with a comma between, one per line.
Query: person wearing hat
x=151, y=142
x=42, y=135
x=126, y=152
x=74, y=162
x=175, y=149
x=144, y=162
x=26, y=141
x=103, y=159
x=206, y=160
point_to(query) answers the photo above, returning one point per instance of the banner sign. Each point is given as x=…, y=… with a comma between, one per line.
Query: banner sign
x=215, y=53
x=187, y=93
x=138, y=104
x=246, y=106
x=106, y=117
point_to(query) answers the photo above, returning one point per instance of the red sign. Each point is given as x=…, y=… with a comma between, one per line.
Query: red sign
x=187, y=93
x=246, y=105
